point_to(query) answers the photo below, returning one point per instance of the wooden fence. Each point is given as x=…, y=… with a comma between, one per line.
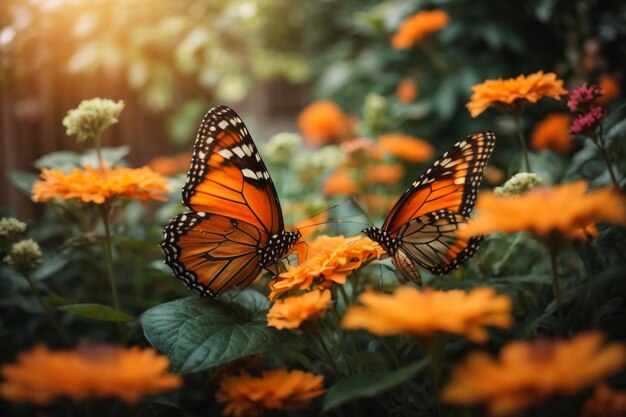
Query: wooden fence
x=31, y=112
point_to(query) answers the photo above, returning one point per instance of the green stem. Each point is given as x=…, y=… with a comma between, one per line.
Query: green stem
x=599, y=141
x=555, y=282
x=329, y=356
x=435, y=367
x=99, y=151
x=44, y=307
x=390, y=352
x=108, y=251
x=522, y=140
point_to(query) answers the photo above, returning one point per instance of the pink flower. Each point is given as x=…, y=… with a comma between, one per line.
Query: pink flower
x=588, y=121
x=582, y=96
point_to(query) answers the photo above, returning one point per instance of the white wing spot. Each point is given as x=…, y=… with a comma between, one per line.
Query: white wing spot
x=223, y=124
x=249, y=173
x=238, y=151
x=226, y=153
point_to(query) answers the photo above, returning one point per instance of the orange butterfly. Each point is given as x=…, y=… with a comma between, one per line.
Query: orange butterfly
x=234, y=227
x=420, y=229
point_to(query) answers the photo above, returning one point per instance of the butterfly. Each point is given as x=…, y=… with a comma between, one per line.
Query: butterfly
x=233, y=227
x=420, y=228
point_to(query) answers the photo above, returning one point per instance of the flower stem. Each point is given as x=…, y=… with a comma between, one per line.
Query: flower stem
x=522, y=140
x=108, y=250
x=434, y=347
x=44, y=307
x=99, y=151
x=599, y=141
x=555, y=282
x=329, y=357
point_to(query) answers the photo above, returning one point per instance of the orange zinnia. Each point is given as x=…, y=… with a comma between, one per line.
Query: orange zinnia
x=290, y=312
x=98, y=186
x=506, y=94
x=566, y=208
x=415, y=27
x=611, y=90
x=339, y=182
x=605, y=402
x=384, y=174
x=406, y=92
x=527, y=373
x=279, y=389
x=166, y=165
x=428, y=312
x=41, y=375
x=324, y=261
x=322, y=122
x=406, y=147
x=553, y=133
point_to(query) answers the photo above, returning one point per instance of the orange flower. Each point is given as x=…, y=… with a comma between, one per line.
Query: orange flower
x=97, y=186
x=40, y=375
x=427, y=312
x=279, y=389
x=611, y=89
x=415, y=27
x=167, y=166
x=406, y=147
x=493, y=175
x=508, y=93
x=339, y=182
x=384, y=174
x=605, y=402
x=322, y=122
x=553, y=133
x=292, y=311
x=324, y=261
x=565, y=208
x=527, y=373
x=407, y=89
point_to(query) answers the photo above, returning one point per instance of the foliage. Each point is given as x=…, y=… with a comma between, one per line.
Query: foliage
x=99, y=276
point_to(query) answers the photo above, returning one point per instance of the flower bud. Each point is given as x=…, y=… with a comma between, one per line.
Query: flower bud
x=518, y=184
x=24, y=256
x=281, y=147
x=91, y=117
x=11, y=229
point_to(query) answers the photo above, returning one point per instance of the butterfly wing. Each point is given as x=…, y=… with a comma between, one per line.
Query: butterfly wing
x=430, y=242
x=227, y=175
x=427, y=215
x=234, y=227
x=211, y=253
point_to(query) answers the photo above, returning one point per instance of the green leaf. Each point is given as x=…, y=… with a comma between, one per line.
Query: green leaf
x=113, y=156
x=98, y=312
x=63, y=160
x=23, y=181
x=198, y=333
x=58, y=301
x=359, y=386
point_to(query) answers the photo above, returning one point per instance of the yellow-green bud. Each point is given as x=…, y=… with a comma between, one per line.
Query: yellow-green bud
x=24, y=256
x=375, y=112
x=11, y=229
x=281, y=147
x=91, y=117
x=518, y=184
x=316, y=162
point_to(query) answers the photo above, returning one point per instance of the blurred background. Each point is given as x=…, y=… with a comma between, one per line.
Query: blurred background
x=171, y=60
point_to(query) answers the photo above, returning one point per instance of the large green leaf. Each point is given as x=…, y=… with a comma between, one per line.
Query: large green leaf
x=199, y=333
x=370, y=385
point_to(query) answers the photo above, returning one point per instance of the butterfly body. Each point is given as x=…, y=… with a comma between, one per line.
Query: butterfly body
x=234, y=227
x=420, y=229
